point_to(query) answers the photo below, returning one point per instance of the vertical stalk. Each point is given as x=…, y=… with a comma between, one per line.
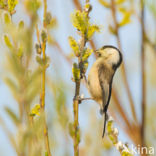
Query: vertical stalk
x=46, y=137
x=143, y=73
x=76, y=121
x=76, y=101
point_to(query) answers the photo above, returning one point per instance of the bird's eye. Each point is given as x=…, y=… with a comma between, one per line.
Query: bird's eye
x=99, y=54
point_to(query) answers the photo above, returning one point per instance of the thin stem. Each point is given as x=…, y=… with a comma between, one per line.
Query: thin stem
x=77, y=4
x=76, y=121
x=76, y=100
x=43, y=85
x=150, y=43
x=113, y=9
x=143, y=73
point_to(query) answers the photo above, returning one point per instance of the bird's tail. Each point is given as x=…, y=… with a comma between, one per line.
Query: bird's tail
x=104, y=126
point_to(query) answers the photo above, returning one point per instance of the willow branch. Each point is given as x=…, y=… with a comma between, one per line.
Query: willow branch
x=46, y=137
x=150, y=43
x=76, y=122
x=77, y=4
x=113, y=9
x=143, y=89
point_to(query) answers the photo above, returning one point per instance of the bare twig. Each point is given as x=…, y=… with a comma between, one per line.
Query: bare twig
x=150, y=43
x=76, y=100
x=43, y=84
x=143, y=89
x=76, y=122
x=77, y=4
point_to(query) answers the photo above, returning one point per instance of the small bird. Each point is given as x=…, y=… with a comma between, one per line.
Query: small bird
x=101, y=75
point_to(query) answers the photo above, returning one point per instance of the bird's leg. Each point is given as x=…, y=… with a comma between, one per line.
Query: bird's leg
x=80, y=99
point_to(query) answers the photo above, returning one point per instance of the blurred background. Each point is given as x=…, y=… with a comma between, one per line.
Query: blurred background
x=20, y=78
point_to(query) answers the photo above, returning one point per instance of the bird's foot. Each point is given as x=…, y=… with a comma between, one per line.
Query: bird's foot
x=80, y=99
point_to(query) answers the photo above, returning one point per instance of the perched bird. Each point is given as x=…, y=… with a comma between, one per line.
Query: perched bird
x=101, y=75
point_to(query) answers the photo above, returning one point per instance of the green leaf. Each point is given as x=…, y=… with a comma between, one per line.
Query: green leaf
x=21, y=25
x=51, y=40
x=48, y=18
x=13, y=86
x=104, y=3
x=76, y=72
x=44, y=35
x=7, y=18
x=118, y=2
x=7, y=41
x=12, y=115
x=152, y=6
x=74, y=46
x=85, y=66
x=2, y=3
x=91, y=30
x=78, y=136
x=20, y=51
x=71, y=129
x=34, y=77
x=126, y=19
x=32, y=92
x=109, y=126
x=35, y=110
x=110, y=131
x=53, y=23
x=43, y=62
x=80, y=21
x=32, y=6
x=39, y=59
x=126, y=153
x=86, y=54
x=112, y=30
x=12, y=4
x=38, y=48
x=46, y=153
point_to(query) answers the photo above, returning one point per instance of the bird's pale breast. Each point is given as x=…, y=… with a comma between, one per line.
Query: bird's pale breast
x=94, y=85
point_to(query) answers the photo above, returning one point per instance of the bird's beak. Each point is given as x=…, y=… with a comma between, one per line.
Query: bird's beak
x=96, y=52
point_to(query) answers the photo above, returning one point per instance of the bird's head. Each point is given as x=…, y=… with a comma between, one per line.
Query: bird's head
x=110, y=54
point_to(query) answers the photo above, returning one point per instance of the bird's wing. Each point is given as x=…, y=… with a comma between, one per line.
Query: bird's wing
x=105, y=79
